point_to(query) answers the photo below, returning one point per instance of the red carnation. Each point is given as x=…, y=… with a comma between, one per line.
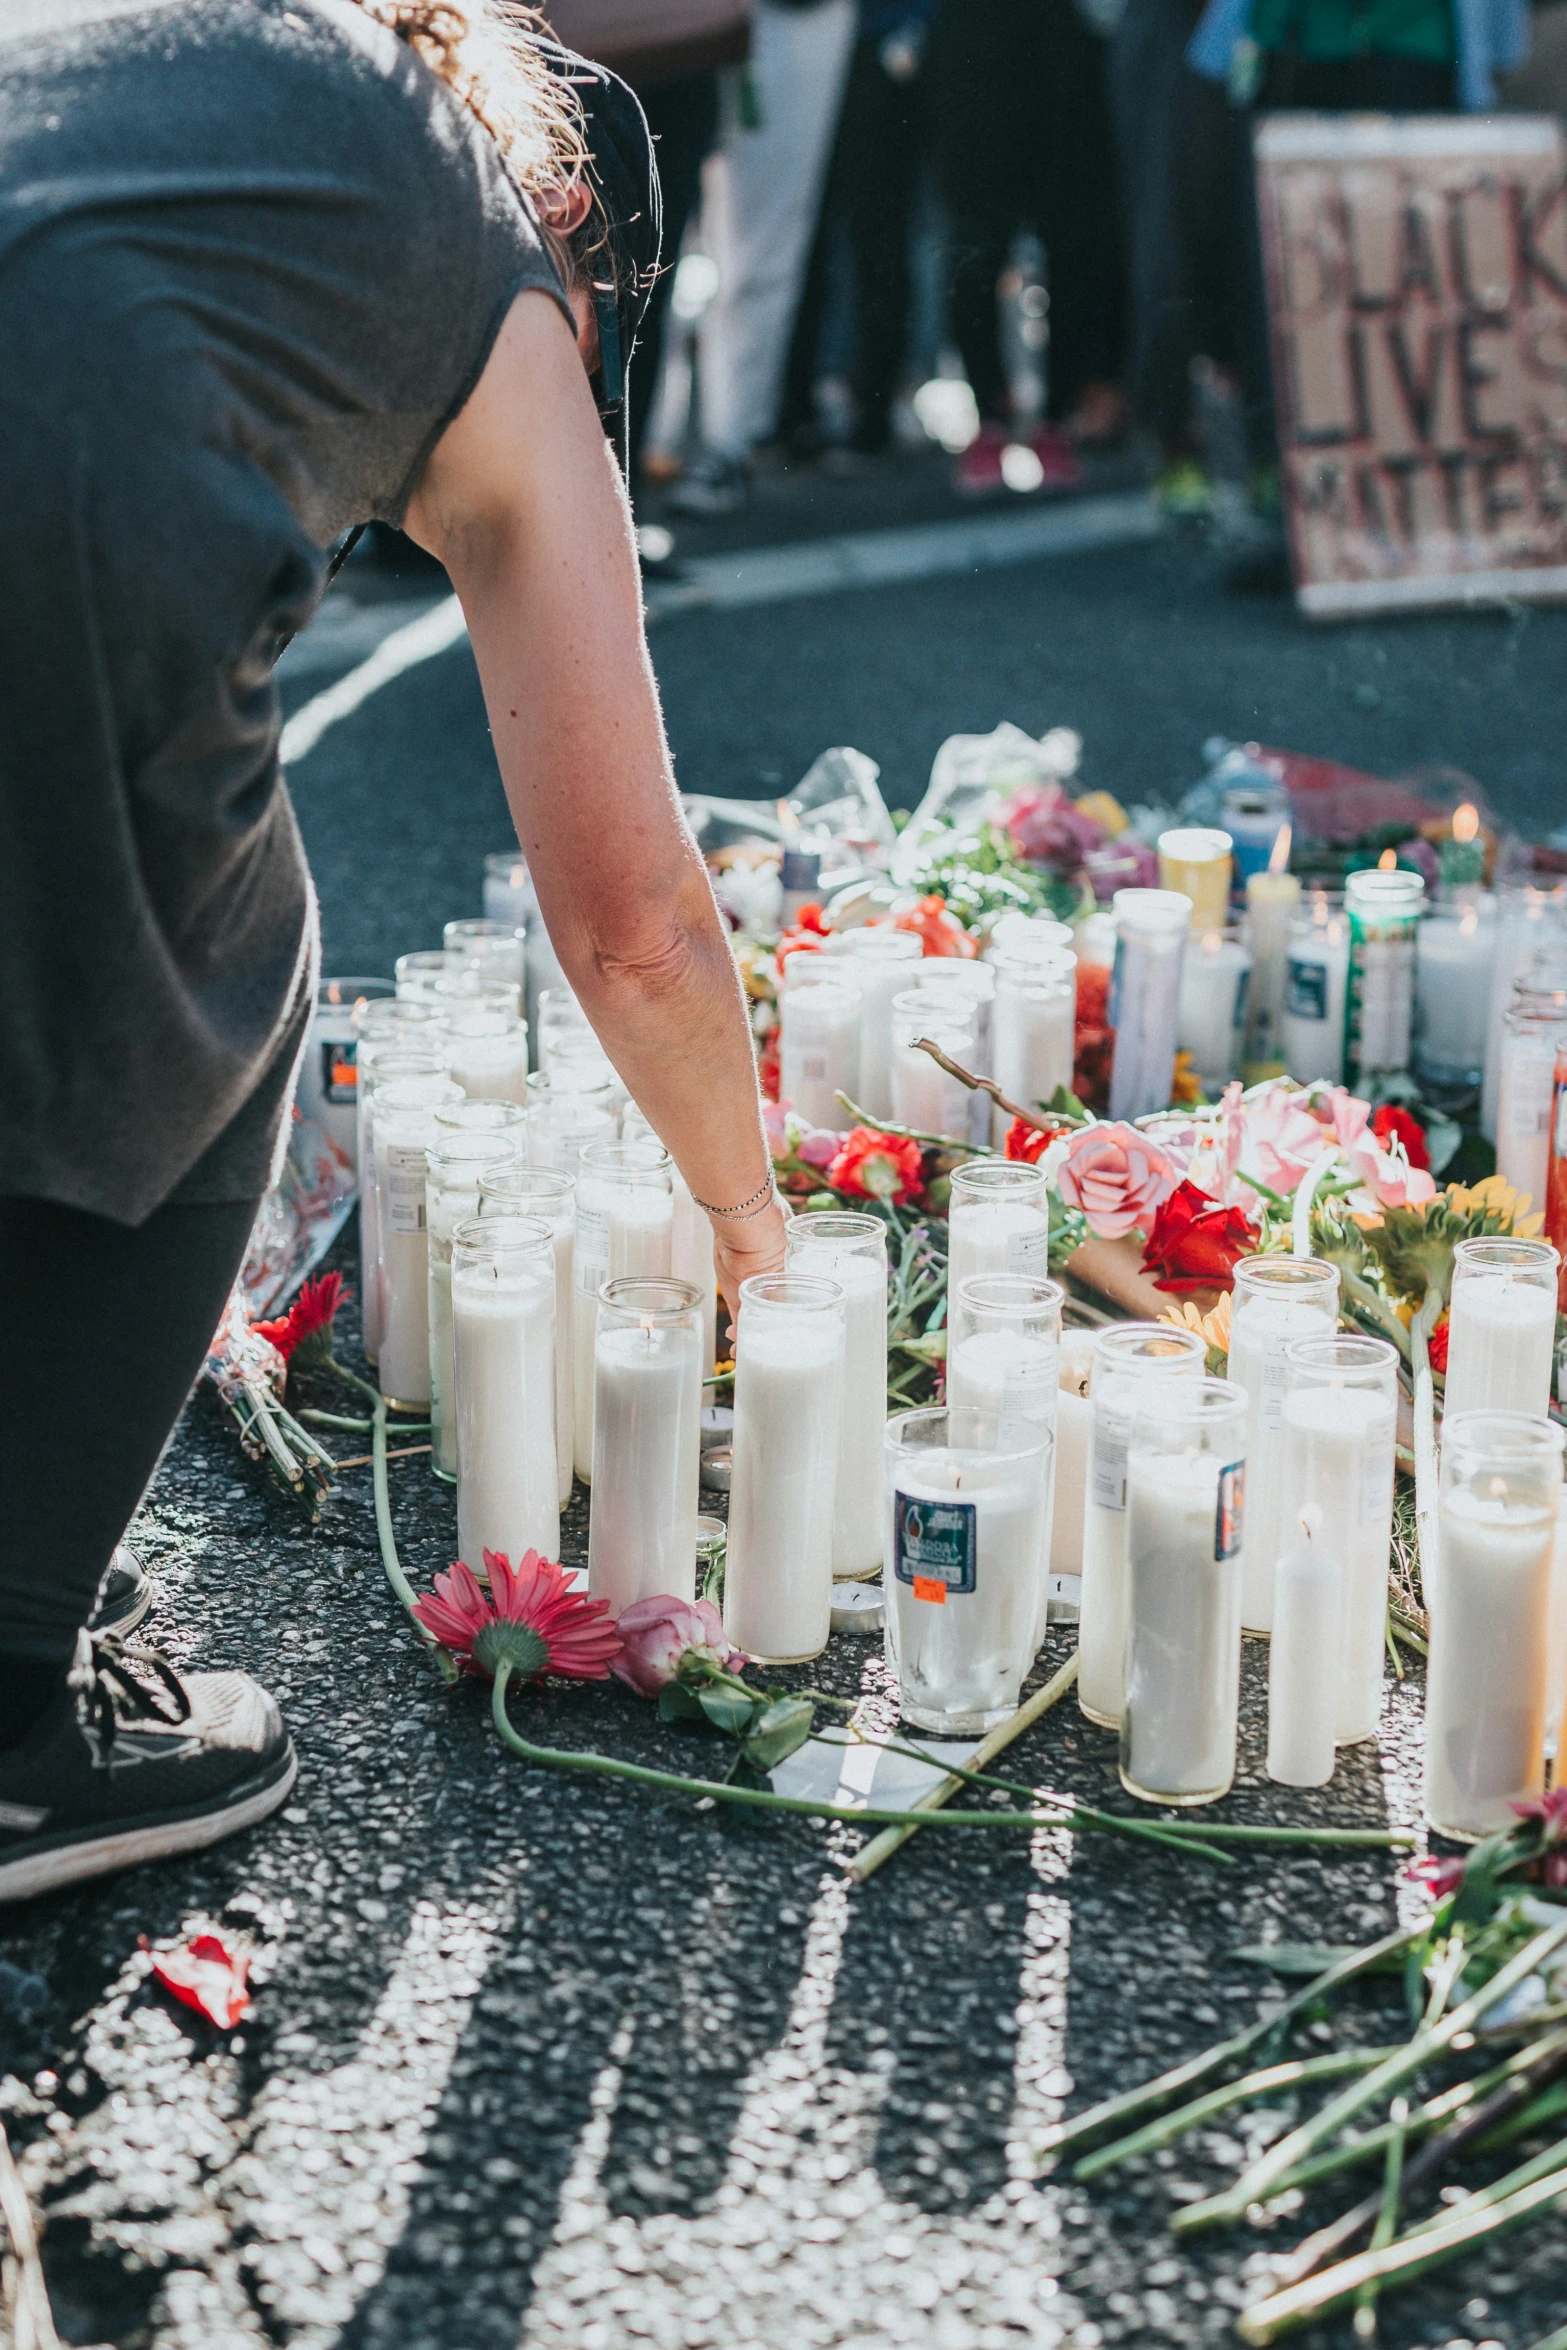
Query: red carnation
x=1436, y=1347
x=1194, y=1243
x=942, y=933
x=878, y=1166
x=1026, y=1142
x=1391, y=1124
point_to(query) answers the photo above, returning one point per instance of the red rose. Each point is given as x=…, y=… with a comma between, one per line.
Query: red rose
x=1194, y=1243
x=767, y=1070
x=1436, y=1347
x=1026, y=1142
x=878, y=1166
x=1391, y=1124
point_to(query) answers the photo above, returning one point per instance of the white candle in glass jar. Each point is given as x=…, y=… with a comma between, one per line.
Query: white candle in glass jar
x=404, y=1130
x=1316, y=979
x=852, y=1250
x=787, y=1401
x=1338, y=1445
x=1034, y=1027
x=487, y=1055
x=819, y=1041
x=1556, y=1636
x=552, y=1197
x=1012, y=1377
x=1528, y=919
x=924, y=1096
x=1212, y=1011
x=454, y=1167
x=1183, y=1639
x=1455, y=948
x=1501, y=1344
x=1486, y=1675
x=884, y=962
x=996, y=1226
x=1293, y=1298
x=1304, y=1665
x=625, y=1226
x=959, y=1660
x=1074, y=1435
x=692, y=1259
x=647, y=1404
x=1151, y=928
x=503, y=1345
x=381, y=1058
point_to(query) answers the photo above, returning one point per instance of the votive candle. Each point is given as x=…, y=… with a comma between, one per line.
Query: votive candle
x=852, y=1250
x=819, y=1043
x=1501, y=1332
x=647, y=1419
x=503, y=1351
x=1275, y=1299
x=454, y=1163
x=1004, y=1358
x=789, y=1345
x=625, y=1229
x=1145, y=992
x=883, y=961
x=552, y=1197
x=1339, y=1441
x=404, y=1130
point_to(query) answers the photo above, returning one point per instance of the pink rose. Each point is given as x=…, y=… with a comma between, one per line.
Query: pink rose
x=1385, y=1173
x=659, y=1635
x=1116, y=1176
x=1276, y=1137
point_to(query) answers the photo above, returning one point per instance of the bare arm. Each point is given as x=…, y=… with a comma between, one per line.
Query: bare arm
x=522, y=503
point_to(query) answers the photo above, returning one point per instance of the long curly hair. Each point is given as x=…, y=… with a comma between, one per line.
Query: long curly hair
x=483, y=50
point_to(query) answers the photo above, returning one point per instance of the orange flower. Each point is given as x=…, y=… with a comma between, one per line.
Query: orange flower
x=878, y=1166
x=942, y=932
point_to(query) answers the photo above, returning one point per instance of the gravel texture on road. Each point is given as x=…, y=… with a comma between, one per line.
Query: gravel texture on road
x=547, y=2063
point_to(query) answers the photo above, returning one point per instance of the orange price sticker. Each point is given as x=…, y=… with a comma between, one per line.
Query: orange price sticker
x=930, y=1587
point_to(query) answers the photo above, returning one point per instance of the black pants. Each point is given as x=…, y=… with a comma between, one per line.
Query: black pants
x=1020, y=97
x=105, y=1327
x=683, y=118
x=869, y=196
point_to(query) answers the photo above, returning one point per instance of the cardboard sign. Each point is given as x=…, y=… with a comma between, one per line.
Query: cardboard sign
x=1417, y=298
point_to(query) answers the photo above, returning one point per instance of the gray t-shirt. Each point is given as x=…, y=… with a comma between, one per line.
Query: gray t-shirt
x=253, y=257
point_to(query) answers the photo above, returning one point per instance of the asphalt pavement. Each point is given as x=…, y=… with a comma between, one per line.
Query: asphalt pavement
x=547, y=2063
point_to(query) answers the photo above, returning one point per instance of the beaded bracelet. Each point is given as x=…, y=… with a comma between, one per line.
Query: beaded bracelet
x=756, y=1205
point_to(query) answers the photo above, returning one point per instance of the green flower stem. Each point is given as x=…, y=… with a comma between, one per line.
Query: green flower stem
x=335, y=1420
x=1170, y=2126
x=401, y=1586
x=1438, y=2240
x=1132, y=2102
x=1546, y=2108
x=1420, y=1330
x=944, y=1142
x=755, y=1798
x=1261, y=2180
x=1556, y=2341
x=1386, y=2227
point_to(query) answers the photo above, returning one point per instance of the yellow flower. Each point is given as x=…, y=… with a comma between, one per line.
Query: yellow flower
x=1185, y=1085
x=1212, y=1328
x=1494, y=1196
x=1104, y=810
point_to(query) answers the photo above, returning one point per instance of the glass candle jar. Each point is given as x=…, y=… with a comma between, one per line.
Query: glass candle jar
x=492, y=950
x=454, y=1163
x=1383, y=909
x=881, y=958
x=487, y=1055
x=417, y=974
x=1275, y=1300
x=1145, y=994
x=712, y=1540
x=552, y=1197
x=1487, y=1673
x=1534, y=1032
x=852, y=1250
x=964, y=985
x=327, y=1093
x=1211, y=1014
x=787, y=1401
x=1185, y=1491
x=625, y=1230
x=1074, y=1440
x=1034, y=1027
x=1126, y=1356
x=1501, y=1329
x=819, y=1036
x=463, y=988
x=385, y=1054
x=1455, y=948
x=1527, y=919
x=1316, y=983
x=960, y=1581
x=1272, y=909
x=404, y=1112
x=482, y=1117
x=1338, y=1443
x=1196, y=861
x=503, y=1351
x=647, y=1414
x=1028, y=938
x=998, y=1222
x=924, y=1096
x=1004, y=1358
x=561, y=1118
x=509, y=898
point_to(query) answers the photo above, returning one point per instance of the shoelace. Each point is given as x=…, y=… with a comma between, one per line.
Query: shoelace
x=130, y=1682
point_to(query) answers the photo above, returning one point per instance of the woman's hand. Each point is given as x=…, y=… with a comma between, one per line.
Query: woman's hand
x=740, y=1250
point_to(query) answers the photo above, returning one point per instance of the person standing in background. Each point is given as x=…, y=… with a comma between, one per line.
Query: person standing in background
x=1021, y=104
x=761, y=197
x=871, y=186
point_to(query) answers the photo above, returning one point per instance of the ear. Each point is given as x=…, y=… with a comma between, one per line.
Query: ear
x=563, y=206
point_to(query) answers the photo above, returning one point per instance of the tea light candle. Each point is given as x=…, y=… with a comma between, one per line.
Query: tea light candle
x=1303, y=1663
x=1196, y=861
x=788, y=1392
x=1275, y=1299
x=1454, y=951
x=647, y=1413
x=503, y=1348
x=1151, y=927
x=1035, y=1024
x=819, y=1044
x=1338, y=1438
x=1272, y=908
x=404, y=1130
x=1212, y=1008
x=625, y=1230
x=552, y=1197
x=1125, y=1356
x=1185, y=1478
x=1501, y=1336
x=852, y=1251
x=884, y=961
x=1487, y=1671
x=1316, y=981
x=1074, y=1435
x=960, y=1580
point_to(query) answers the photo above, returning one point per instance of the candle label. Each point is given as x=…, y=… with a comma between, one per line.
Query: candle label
x=1109, y=1462
x=592, y=1254
x=405, y=1174
x=1307, y=994
x=1028, y=1253
x=936, y=1545
x=339, y=1072
x=1231, y=1510
x=1379, y=1003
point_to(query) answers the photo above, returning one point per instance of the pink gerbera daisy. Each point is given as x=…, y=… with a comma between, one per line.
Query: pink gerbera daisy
x=530, y=1618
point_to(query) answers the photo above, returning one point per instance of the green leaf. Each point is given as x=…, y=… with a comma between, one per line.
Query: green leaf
x=678, y=1705
x=727, y=1710
x=1063, y=1103
x=779, y=1729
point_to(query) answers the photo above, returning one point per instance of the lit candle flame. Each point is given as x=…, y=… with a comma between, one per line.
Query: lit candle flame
x=1212, y=943
x=1466, y=823
x=1279, y=854
x=1388, y=861
x=1470, y=922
